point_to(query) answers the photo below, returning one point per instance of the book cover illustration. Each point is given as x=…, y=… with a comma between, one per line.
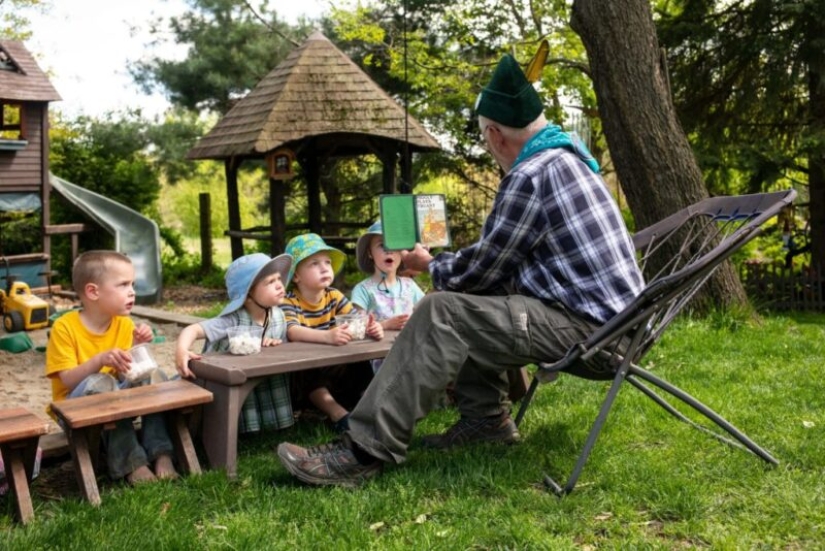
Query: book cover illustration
x=410, y=219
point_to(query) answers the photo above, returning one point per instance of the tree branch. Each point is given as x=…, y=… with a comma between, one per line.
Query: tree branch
x=267, y=25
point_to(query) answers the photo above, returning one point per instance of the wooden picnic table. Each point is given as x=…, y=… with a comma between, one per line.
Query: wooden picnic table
x=231, y=378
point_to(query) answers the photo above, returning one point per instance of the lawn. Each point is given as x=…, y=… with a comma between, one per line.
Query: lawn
x=651, y=483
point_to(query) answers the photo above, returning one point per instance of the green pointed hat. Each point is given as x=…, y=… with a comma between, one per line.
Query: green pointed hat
x=509, y=98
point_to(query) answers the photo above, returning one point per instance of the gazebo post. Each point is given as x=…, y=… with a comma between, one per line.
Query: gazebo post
x=277, y=216
x=231, y=165
x=313, y=172
x=406, y=171
x=389, y=162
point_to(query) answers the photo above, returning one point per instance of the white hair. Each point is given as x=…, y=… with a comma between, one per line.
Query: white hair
x=514, y=133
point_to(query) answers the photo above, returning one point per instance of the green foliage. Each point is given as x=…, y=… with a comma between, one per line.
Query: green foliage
x=181, y=267
x=19, y=233
x=108, y=156
x=750, y=122
x=180, y=206
x=231, y=48
x=122, y=157
x=14, y=25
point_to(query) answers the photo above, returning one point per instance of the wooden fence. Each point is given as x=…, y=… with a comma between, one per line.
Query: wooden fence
x=779, y=288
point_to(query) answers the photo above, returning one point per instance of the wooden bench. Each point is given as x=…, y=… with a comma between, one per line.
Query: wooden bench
x=84, y=418
x=20, y=431
x=231, y=379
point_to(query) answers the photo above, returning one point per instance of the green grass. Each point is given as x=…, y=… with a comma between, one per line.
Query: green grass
x=651, y=482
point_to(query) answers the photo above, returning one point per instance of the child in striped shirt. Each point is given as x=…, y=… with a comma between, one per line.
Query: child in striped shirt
x=310, y=308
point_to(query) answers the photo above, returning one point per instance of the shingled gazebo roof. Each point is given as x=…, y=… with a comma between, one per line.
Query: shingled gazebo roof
x=315, y=91
x=20, y=77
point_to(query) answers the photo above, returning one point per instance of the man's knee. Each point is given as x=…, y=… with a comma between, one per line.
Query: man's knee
x=434, y=305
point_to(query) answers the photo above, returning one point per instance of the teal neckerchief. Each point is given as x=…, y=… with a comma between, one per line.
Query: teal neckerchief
x=551, y=137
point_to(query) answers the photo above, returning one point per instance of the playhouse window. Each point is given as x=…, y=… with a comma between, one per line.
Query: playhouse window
x=11, y=125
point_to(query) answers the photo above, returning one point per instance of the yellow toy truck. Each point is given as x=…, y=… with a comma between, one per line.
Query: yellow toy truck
x=22, y=310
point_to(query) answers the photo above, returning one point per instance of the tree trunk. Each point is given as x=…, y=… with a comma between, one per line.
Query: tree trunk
x=816, y=160
x=653, y=158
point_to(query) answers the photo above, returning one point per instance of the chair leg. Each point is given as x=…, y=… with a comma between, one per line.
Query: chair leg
x=749, y=444
x=526, y=399
x=592, y=437
x=527, y=396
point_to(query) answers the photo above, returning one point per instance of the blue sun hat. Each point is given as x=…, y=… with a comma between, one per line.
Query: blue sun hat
x=246, y=270
x=303, y=246
x=362, y=248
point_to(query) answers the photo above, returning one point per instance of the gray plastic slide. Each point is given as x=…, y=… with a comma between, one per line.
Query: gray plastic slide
x=136, y=236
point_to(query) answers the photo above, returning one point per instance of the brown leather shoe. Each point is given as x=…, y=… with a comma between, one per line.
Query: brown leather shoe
x=295, y=453
x=498, y=428
x=337, y=466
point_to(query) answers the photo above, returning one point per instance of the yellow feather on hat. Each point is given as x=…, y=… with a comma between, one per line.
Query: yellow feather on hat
x=536, y=64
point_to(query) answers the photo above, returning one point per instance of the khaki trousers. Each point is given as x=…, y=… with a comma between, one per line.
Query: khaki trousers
x=472, y=340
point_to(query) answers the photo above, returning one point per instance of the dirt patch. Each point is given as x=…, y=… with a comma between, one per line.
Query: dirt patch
x=186, y=299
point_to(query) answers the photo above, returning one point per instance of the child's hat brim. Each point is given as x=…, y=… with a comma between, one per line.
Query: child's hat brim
x=362, y=248
x=245, y=271
x=303, y=246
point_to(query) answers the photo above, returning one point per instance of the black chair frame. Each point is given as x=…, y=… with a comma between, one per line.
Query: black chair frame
x=705, y=235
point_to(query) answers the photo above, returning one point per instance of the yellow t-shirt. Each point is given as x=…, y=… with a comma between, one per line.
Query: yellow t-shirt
x=71, y=344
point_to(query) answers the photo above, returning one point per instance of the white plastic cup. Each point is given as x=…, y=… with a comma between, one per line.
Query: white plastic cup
x=245, y=339
x=143, y=363
x=356, y=322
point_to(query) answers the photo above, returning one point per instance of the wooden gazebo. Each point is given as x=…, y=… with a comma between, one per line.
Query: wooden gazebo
x=314, y=106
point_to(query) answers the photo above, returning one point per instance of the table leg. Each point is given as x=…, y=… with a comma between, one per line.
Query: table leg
x=182, y=439
x=219, y=430
x=79, y=444
x=18, y=458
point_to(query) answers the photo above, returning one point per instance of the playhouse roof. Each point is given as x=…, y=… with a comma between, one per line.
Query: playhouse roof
x=20, y=77
x=316, y=90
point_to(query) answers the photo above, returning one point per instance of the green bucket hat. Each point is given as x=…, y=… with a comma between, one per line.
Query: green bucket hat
x=303, y=246
x=509, y=98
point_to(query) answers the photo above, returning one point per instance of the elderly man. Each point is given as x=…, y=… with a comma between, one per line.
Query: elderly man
x=553, y=262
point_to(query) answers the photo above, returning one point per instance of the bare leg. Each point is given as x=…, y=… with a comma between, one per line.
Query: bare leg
x=323, y=400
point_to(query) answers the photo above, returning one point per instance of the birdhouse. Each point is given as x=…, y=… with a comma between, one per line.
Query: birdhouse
x=279, y=164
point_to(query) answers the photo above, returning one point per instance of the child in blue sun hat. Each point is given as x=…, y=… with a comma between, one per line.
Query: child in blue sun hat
x=256, y=285
x=310, y=309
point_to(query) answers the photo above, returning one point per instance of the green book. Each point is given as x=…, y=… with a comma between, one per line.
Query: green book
x=410, y=219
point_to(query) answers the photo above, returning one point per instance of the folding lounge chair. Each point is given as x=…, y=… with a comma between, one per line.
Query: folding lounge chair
x=704, y=235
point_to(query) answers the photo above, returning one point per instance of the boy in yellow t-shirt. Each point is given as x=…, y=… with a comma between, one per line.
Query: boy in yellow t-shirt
x=87, y=350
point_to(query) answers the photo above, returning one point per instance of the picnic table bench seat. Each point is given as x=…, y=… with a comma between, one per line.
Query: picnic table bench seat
x=84, y=418
x=20, y=430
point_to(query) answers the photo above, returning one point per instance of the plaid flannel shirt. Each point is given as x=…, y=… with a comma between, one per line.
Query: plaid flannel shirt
x=554, y=234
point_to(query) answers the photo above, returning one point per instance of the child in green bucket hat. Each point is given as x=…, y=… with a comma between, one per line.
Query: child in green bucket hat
x=310, y=308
